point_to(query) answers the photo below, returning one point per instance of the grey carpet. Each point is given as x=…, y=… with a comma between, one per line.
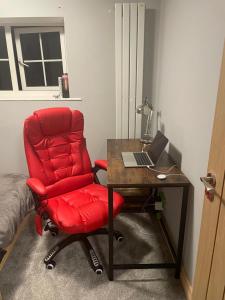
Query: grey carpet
x=25, y=277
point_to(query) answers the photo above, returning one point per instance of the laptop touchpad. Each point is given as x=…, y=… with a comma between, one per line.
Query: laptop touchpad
x=128, y=159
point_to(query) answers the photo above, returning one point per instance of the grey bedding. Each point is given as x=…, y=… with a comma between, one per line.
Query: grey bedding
x=15, y=202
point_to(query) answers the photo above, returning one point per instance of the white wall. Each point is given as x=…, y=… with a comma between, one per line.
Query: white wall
x=89, y=28
x=191, y=37
x=90, y=59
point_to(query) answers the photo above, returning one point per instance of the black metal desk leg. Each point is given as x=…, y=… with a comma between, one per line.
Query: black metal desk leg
x=110, y=223
x=182, y=230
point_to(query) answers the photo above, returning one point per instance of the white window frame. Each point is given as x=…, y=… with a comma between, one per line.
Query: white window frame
x=39, y=30
x=10, y=59
x=30, y=95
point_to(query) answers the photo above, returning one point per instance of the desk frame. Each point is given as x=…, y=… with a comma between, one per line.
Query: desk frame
x=177, y=255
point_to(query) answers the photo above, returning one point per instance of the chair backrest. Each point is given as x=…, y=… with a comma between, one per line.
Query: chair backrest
x=56, y=148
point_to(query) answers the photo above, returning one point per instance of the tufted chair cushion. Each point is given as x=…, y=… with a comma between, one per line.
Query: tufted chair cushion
x=55, y=147
x=82, y=210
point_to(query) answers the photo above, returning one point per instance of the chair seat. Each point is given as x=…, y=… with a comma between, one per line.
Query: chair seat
x=82, y=210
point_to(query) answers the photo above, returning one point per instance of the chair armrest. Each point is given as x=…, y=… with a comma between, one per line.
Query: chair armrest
x=37, y=186
x=101, y=164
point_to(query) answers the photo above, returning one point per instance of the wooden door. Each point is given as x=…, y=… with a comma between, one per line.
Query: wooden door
x=209, y=279
x=217, y=274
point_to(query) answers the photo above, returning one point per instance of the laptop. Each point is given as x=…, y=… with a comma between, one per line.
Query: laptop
x=149, y=158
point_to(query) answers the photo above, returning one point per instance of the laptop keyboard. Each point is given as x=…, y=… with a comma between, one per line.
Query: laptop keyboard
x=142, y=159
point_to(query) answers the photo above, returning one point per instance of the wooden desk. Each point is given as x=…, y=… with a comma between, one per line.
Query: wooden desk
x=120, y=177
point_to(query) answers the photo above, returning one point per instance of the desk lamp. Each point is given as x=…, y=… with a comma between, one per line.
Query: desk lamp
x=146, y=109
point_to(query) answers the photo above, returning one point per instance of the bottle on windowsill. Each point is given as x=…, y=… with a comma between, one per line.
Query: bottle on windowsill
x=65, y=86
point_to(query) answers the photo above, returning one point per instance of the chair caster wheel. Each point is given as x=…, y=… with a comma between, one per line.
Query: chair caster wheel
x=51, y=265
x=119, y=237
x=51, y=227
x=54, y=233
x=99, y=271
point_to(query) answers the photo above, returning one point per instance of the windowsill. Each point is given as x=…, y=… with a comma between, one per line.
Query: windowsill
x=34, y=96
x=38, y=99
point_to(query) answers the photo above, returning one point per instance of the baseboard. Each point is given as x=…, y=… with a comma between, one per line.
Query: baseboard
x=186, y=284
x=10, y=247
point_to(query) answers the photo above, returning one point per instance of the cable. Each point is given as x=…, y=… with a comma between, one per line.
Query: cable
x=163, y=175
x=161, y=172
x=175, y=174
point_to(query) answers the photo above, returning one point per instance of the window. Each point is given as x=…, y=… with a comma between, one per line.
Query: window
x=5, y=76
x=41, y=60
x=36, y=59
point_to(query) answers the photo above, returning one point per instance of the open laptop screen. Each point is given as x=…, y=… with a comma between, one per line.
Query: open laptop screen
x=158, y=145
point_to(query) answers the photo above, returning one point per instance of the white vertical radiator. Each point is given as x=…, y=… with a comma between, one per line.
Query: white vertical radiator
x=129, y=58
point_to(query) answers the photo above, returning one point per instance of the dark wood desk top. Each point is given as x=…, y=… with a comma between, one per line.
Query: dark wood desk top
x=119, y=176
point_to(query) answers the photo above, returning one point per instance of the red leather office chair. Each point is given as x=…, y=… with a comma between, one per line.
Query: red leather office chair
x=67, y=193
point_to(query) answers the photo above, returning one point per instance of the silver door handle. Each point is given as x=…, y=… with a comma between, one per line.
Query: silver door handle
x=210, y=183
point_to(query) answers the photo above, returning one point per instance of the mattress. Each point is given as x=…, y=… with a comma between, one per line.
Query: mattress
x=15, y=202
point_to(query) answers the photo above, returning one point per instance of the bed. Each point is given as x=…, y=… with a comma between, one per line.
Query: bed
x=16, y=202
